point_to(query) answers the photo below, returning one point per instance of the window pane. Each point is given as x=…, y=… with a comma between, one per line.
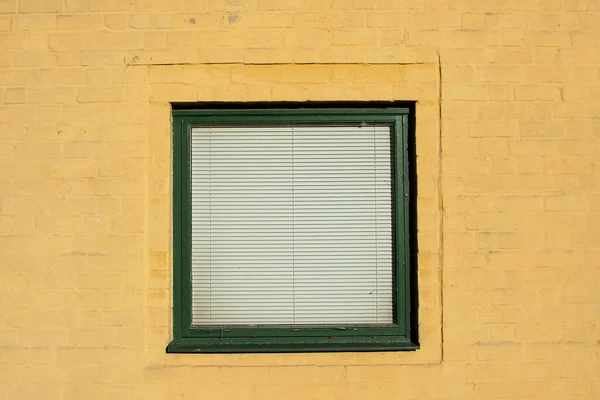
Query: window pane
x=291, y=225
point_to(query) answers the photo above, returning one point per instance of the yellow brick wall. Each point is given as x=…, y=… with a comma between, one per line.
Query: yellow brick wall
x=508, y=147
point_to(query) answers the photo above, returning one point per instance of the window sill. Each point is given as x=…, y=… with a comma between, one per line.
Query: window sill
x=291, y=345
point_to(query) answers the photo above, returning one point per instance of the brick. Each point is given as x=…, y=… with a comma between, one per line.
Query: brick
x=34, y=59
x=102, y=58
x=420, y=73
x=392, y=37
x=62, y=76
x=353, y=4
x=439, y=19
x=576, y=110
x=583, y=127
x=501, y=92
x=74, y=169
x=6, y=151
x=39, y=151
x=571, y=56
x=241, y=39
x=581, y=5
x=110, y=5
x=12, y=41
x=99, y=95
x=100, y=77
x=388, y=19
x=548, y=38
x=40, y=6
x=452, y=91
x=471, y=20
x=79, y=22
x=491, y=129
x=538, y=92
x=547, y=74
x=461, y=39
x=222, y=19
x=313, y=19
x=256, y=56
x=123, y=168
x=269, y=19
x=555, y=21
x=586, y=75
x=8, y=6
x=126, y=113
x=275, y=5
x=114, y=40
x=117, y=22
x=304, y=37
x=305, y=73
x=157, y=5
x=42, y=95
x=499, y=74
x=68, y=41
x=14, y=95
x=150, y=21
x=36, y=42
x=196, y=5
x=41, y=22
x=154, y=40
x=75, y=5
x=189, y=39
x=458, y=74
x=567, y=166
x=508, y=56
x=581, y=93
x=546, y=55
x=542, y=129
x=34, y=390
x=460, y=55
x=68, y=58
x=18, y=113
x=358, y=36
x=566, y=203
x=587, y=20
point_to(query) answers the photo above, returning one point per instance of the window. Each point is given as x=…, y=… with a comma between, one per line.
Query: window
x=291, y=230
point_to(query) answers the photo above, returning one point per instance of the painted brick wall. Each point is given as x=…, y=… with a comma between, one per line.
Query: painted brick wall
x=508, y=145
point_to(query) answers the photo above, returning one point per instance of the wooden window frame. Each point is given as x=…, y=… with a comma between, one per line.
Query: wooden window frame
x=400, y=335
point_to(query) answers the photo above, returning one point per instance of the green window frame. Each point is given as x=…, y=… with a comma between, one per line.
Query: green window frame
x=400, y=335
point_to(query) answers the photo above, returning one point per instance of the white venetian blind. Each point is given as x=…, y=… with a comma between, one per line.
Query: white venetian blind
x=291, y=225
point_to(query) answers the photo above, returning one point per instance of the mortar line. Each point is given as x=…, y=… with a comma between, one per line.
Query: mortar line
x=273, y=63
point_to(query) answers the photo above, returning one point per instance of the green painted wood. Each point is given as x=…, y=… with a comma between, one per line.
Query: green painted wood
x=289, y=345
x=243, y=339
